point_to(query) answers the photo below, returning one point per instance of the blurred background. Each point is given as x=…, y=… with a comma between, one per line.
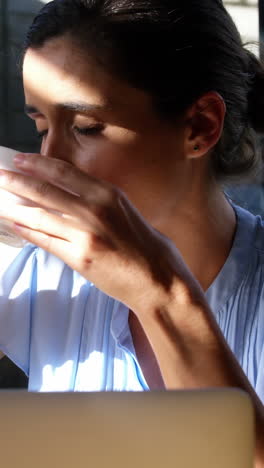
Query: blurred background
x=17, y=131
x=246, y=16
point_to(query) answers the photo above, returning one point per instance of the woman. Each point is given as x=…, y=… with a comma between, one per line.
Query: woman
x=145, y=271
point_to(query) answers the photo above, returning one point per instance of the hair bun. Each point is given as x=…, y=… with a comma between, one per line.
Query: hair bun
x=256, y=94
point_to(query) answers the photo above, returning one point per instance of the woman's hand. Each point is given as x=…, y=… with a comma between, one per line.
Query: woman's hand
x=92, y=227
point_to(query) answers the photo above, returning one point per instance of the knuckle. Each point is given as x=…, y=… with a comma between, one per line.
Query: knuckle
x=101, y=212
x=107, y=207
x=43, y=189
x=107, y=193
x=92, y=240
x=114, y=193
x=61, y=171
x=92, y=244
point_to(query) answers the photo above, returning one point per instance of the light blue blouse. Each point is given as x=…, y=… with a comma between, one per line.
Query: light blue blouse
x=66, y=335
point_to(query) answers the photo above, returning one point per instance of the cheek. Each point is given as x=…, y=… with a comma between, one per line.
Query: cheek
x=98, y=158
x=121, y=163
x=99, y=154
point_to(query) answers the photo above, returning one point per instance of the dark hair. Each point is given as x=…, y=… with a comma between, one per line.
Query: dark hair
x=175, y=50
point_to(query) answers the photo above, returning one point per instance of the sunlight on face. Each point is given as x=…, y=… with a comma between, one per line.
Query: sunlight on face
x=84, y=100
x=101, y=124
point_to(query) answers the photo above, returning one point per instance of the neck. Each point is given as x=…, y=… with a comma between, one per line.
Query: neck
x=203, y=230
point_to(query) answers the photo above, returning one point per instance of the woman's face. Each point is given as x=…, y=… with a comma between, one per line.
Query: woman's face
x=102, y=125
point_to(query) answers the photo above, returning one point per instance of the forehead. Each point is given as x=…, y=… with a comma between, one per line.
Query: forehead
x=59, y=71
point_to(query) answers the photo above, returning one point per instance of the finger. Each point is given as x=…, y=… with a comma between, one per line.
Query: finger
x=67, y=228
x=78, y=255
x=62, y=174
x=44, y=194
x=56, y=246
x=38, y=219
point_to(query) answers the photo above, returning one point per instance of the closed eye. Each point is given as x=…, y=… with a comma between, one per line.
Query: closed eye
x=87, y=131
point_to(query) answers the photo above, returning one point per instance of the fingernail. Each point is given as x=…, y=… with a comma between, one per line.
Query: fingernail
x=19, y=159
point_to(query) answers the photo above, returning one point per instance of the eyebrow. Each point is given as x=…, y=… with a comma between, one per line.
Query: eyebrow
x=81, y=107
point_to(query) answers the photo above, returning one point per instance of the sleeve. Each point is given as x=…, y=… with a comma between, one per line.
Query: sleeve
x=17, y=282
x=259, y=353
x=260, y=378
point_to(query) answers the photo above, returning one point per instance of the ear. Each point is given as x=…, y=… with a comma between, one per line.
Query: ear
x=204, y=124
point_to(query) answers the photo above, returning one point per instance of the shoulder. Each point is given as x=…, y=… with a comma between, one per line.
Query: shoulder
x=243, y=264
x=250, y=240
x=237, y=295
x=244, y=268
x=248, y=245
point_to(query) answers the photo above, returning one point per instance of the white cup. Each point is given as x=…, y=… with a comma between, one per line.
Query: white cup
x=7, y=235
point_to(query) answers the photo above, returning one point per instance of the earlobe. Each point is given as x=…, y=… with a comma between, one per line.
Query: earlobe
x=205, y=124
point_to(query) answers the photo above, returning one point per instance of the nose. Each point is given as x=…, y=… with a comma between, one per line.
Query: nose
x=54, y=146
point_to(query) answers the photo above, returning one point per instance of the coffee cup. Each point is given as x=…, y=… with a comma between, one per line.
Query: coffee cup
x=7, y=235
